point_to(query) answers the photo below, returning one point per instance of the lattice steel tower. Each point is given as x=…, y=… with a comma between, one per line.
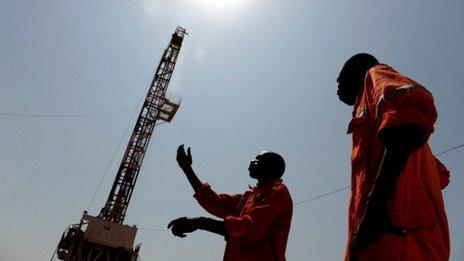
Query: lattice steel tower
x=105, y=237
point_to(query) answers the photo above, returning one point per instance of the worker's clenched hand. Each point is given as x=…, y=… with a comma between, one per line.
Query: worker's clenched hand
x=182, y=225
x=184, y=159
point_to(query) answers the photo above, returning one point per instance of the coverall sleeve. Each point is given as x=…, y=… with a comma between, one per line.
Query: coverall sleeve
x=397, y=107
x=443, y=174
x=219, y=205
x=257, y=222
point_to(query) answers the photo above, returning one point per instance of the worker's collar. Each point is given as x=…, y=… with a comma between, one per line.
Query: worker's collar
x=358, y=101
x=268, y=183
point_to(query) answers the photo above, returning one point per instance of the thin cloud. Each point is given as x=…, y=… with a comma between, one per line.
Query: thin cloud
x=153, y=8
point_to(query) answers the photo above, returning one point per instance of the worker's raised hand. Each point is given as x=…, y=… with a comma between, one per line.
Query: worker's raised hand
x=182, y=225
x=184, y=159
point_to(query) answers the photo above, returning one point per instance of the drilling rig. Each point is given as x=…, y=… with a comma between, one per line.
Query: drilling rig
x=105, y=237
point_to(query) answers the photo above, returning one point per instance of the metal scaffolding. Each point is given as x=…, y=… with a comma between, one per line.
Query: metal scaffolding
x=105, y=237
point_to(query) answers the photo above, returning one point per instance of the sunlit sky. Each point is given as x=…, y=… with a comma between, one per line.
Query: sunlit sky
x=253, y=75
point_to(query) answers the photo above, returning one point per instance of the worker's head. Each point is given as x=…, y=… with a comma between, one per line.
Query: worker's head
x=267, y=166
x=351, y=77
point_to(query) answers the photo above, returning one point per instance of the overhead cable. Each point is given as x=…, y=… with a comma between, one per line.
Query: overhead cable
x=344, y=188
x=111, y=160
x=321, y=196
x=450, y=149
x=45, y=115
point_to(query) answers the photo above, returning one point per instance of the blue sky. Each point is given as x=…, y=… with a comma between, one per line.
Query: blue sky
x=252, y=75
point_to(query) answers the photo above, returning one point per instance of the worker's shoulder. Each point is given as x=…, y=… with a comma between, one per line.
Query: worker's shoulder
x=281, y=194
x=383, y=74
x=381, y=68
x=279, y=185
x=280, y=189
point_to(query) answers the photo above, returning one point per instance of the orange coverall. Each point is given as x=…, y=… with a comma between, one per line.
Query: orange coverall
x=390, y=99
x=258, y=222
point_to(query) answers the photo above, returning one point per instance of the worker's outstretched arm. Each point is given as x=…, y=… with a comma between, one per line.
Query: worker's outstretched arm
x=184, y=225
x=400, y=142
x=185, y=163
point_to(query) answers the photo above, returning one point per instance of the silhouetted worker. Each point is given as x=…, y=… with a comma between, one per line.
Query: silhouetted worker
x=255, y=224
x=396, y=209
